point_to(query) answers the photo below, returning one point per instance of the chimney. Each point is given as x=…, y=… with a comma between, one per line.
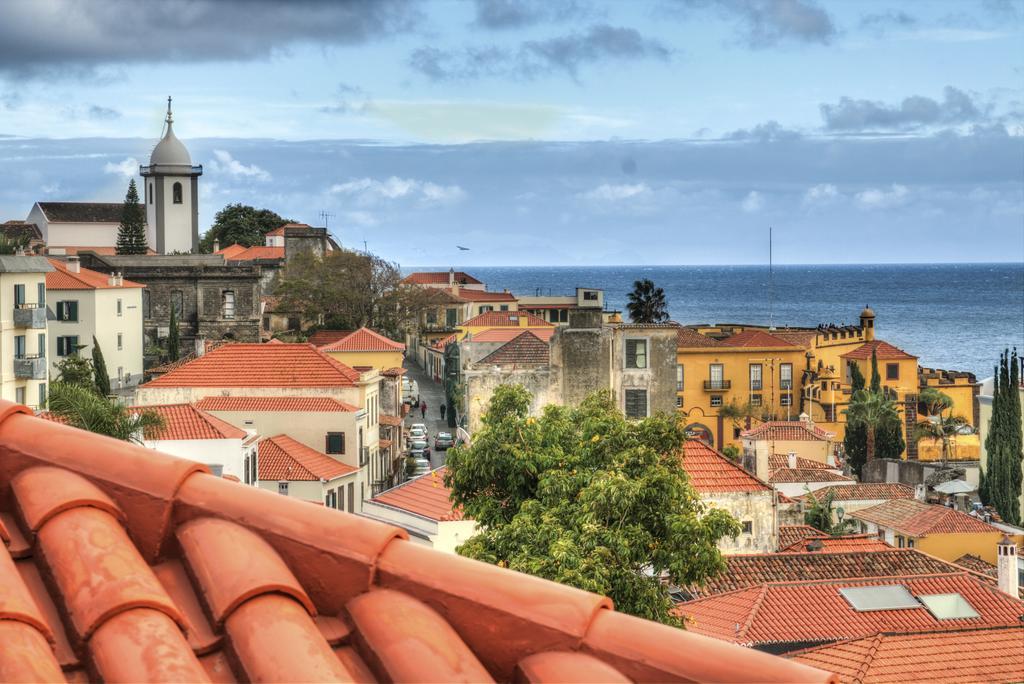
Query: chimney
x=451, y=277
x=216, y=245
x=792, y=459
x=815, y=545
x=1006, y=567
x=804, y=418
x=920, y=492
x=112, y=280
x=74, y=264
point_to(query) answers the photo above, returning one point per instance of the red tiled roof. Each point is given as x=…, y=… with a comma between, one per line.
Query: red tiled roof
x=791, y=534
x=756, y=339
x=966, y=656
x=396, y=372
x=509, y=334
x=439, y=278
x=788, y=431
x=364, y=340
x=158, y=571
x=260, y=365
x=916, y=518
x=840, y=544
x=444, y=342
x=282, y=458
x=883, y=350
x=809, y=612
x=231, y=250
x=484, y=296
x=426, y=496
x=63, y=279
x=186, y=421
x=751, y=570
x=864, y=491
x=710, y=472
x=323, y=337
x=793, y=475
x=776, y=461
x=276, y=404
x=525, y=349
x=256, y=252
x=282, y=230
x=506, y=319
x=688, y=338
x=802, y=338
x=976, y=564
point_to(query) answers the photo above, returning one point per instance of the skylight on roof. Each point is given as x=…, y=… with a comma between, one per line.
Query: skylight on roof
x=884, y=597
x=948, y=606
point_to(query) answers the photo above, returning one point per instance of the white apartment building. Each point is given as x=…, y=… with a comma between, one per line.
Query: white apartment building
x=23, y=341
x=84, y=304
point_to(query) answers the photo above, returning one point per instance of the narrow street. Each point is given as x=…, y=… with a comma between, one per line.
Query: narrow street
x=432, y=393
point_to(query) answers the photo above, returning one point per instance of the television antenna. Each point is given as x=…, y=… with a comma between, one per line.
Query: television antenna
x=325, y=217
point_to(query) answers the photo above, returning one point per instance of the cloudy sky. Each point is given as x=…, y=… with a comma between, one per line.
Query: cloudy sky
x=548, y=132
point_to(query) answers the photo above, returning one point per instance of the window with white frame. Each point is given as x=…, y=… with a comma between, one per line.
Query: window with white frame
x=716, y=400
x=636, y=353
x=679, y=377
x=786, y=399
x=786, y=376
x=228, y=304
x=755, y=376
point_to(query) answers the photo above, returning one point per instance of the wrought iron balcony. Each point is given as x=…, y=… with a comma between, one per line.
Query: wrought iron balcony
x=30, y=367
x=30, y=316
x=717, y=385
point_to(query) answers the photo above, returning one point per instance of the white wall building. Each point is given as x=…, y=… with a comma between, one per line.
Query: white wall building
x=23, y=334
x=84, y=304
x=291, y=468
x=198, y=436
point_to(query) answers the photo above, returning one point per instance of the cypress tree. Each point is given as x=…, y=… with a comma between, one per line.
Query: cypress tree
x=1001, y=487
x=131, y=234
x=173, y=338
x=876, y=379
x=855, y=442
x=99, y=367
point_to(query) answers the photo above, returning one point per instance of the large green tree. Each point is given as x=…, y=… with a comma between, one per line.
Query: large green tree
x=647, y=303
x=1004, y=444
x=584, y=497
x=131, y=234
x=855, y=442
x=75, y=370
x=889, y=434
x=83, y=408
x=874, y=412
x=242, y=224
x=173, y=337
x=348, y=290
x=99, y=367
x=937, y=424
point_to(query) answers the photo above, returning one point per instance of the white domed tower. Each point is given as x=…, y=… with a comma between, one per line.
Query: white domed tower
x=171, y=187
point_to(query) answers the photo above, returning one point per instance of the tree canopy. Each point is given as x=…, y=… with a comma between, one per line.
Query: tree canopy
x=99, y=367
x=584, y=497
x=1004, y=445
x=242, y=224
x=647, y=303
x=348, y=290
x=81, y=407
x=131, y=233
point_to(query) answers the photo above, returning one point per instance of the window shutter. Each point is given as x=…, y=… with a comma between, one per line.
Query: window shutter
x=60, y=311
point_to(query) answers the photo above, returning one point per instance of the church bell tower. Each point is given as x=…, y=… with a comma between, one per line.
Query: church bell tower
x=171, y=194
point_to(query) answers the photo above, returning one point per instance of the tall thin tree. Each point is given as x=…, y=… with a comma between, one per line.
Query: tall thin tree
x=173, y=337
x=131, y=234
x=99, y=367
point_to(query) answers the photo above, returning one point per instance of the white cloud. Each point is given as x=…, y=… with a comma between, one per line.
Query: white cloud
x=127, y=167
x=823, y=193
x=361, y=218
x=753, y=202
x=223, y=162
x=879, y=198
x=616, y=193
x=370, y=191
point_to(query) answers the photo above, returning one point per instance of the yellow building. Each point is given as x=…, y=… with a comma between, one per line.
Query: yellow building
x=936, y=530
x=500, y=319
x=366, y=349
x=960, y=386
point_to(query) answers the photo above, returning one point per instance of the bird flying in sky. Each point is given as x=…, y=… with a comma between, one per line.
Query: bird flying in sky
x=464, y=249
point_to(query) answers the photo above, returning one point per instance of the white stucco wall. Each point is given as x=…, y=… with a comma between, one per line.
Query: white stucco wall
x=8, y=383
x=440, y=535
x=177, y=217
x=227, y=453
x=794, y=489
x=316, y=490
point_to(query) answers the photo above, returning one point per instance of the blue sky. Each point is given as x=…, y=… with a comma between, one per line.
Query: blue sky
x=558, y=132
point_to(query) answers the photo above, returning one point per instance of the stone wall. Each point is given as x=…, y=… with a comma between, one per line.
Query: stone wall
x=753, y=507
x=481, y=382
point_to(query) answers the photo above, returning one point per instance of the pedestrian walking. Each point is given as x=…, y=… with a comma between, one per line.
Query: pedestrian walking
x=443, y=407
x=423, y=410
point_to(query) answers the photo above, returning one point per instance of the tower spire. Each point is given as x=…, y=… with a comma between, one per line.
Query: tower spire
x=170, y=117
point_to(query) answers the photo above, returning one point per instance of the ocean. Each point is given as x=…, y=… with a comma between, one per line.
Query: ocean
x=955, y=316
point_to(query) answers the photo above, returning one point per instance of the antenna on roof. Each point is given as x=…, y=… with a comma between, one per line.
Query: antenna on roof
x=771, y=284
x=326, y=216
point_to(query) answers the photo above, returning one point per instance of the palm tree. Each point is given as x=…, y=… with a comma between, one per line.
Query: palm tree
x=647, y=303
x=872, y=410
x=937, y=425
x=82, y=408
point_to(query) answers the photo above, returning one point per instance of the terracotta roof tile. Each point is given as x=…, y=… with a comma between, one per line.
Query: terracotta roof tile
x=864, y=491
x=63, y=279
x=444, y=342
x=468, y=295
x=395, y=372
x=260, y=365
x=509, y=334
x=425, y=496
x=802, y=338
x=439, y=278
x=793, y=475
x=966, y=656
x=803, y=613
x=883, y=350
x=791, y=534
x=84, y=212
x=276, y=404
x=525, y=350
x=688, y=338
x=158, y=571
x=788, y=431
x=252, y=253
x=756, y=339
x=776, y=461
x=364, y=340
x=915, y=518
x=323, y=337
x=710, y=472
x=506, y=319
x=976, y=564
x=231, y=250
x=840, y=544
x=282, y=458
x=751, y=570
x=186, y=421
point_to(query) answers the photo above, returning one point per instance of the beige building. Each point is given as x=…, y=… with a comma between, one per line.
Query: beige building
x=555, y=308
x=291, y=468
x=23, y=336
x=801, y=439
x=192, y=433
x=87, y=305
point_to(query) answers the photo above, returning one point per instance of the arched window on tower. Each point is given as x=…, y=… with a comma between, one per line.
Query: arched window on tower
x=149, y=195
x=176, y=193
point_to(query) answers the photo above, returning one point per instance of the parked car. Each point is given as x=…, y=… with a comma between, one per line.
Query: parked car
x=417, y=433
x=419, y=448
x=443, y=441
x=414, y=467
x=419, y=426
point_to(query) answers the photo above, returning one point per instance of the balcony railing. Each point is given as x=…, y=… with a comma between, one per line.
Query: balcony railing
x=717, y=385
x=30, y=316
x=30, y=367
